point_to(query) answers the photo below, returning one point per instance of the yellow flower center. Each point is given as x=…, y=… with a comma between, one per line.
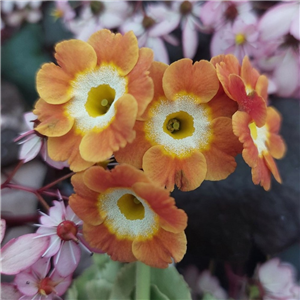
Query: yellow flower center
x=131, y=207
x=99, y=100
x=179, y=125
x=253, y=130
x=57, y=14
x=240, y=39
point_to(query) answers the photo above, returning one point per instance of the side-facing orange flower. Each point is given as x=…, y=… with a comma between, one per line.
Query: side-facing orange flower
x=244, y=85
x=91, y=99
x=187, y=134
x=128, y=217
x=260, y=144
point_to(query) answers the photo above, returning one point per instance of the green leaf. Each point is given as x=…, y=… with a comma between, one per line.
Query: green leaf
x=72, y=293
x=111, y=270
x=101, y=260
x=170, y=283
x=156, y=294
x=124, y=284
x=22, y=56
x=98, y=289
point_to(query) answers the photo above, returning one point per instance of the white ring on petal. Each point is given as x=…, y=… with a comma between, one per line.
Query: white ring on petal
x=81, y=88
x=260, y=141
x=155, y=132
x=119, y=223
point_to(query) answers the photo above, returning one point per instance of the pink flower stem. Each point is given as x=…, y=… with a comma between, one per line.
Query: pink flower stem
x=20, y=220
x=12, y=174
x=54, y=195
x=55, y=182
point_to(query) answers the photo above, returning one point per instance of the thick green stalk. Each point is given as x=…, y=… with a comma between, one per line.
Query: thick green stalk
x=143, y=273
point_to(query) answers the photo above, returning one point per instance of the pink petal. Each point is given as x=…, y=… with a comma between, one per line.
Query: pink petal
x=54, y=245
x=29, y=117
x=41, y=267
x=57, y=212
x=159, y=49
x=67, y=259
x=70, y=215
x=20, y=253
x=2, y=229
x=280, y=14
x=165, y=27
x=31, y=148
x=26, y=283
x=295, y=27
x=64, y=282
x=286, y=75
x=9, y=291
x=189, y=39
x=171, y=39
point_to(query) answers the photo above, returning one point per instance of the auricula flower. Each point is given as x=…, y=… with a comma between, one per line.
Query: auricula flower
x=129, y=217
x=187, y=133
x=62, y=226
x=260, y=145
x=89, y=103
x=36, y=283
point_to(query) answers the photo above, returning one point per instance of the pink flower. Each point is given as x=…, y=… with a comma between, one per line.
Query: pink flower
x=33, y=144
x=63, y=10
x=239, y=38
x=278, y=281
x=215, y=14
x=209, y=284
x=62, y=226
x=152, y=27
x=36, y=284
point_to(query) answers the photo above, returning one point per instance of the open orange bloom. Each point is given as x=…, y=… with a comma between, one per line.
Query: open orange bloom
x=187, y=135
x=260, y=145
x=244, y=85
x=128, y=217
x=90, y=101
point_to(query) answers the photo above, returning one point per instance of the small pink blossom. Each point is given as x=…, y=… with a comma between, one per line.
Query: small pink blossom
x=64, y=10
x=61, y=225
x=33, y=144
x=278, y=281
x=152, y=27
x=208, y=284
x=36, y=282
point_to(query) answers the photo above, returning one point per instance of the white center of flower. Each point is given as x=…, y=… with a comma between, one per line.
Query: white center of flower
x=197, y=139
x=117, y=221
x=83, y=85
x=259, y=136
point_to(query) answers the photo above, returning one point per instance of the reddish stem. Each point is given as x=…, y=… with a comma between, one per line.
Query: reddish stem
x=55, y=182
x=12, y=174
x=20, y=220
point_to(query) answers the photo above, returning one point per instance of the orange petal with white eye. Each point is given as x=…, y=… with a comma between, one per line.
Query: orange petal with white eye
x=123, y=176
x=66, y=147
x=121, y=51
x=84, y=202
x=171, y=218
x=54, y=121
x=185, y=78
x=140, y=84
x=158, y=251
x=273, y=119
x=167, y=170
x=251, y=103
x=99, y=144
x=53, y=84
x=272, y=166
x=133, y=152
x=222, y=149
x=101, y=238
x=75, y=56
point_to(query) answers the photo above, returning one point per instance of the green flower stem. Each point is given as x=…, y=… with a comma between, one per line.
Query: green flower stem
x=142, y=281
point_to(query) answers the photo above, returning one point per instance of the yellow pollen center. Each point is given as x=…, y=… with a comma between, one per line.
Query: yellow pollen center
x=57, y=13
x=131, y=207
x=99, y=100
x=179, y=125
x=253, y=130
x=240, y=39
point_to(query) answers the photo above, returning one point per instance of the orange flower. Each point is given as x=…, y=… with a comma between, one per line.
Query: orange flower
x=244, y=85
x=187, y=135
x=128, y=217
x=260, y=145
x=90, y=101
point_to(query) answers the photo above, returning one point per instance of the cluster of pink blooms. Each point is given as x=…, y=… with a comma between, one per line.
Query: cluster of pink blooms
x=235, y=25
x=30, y=257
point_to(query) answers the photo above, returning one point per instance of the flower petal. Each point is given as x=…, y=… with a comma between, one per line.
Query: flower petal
x=75, y=56
x=272, y=166
x=108, y=47
x=98, y=146
x=20, y=253
x=27, y=284
x=99, y=237
x=62, y=282
x=189, y=38
x=167, y=170
x=66, y=147
x=31, y=148
x=53, y=84
x=184, y=78
x=9, y=291
x=139, y=84
x=54, y=121
x=2, y=229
